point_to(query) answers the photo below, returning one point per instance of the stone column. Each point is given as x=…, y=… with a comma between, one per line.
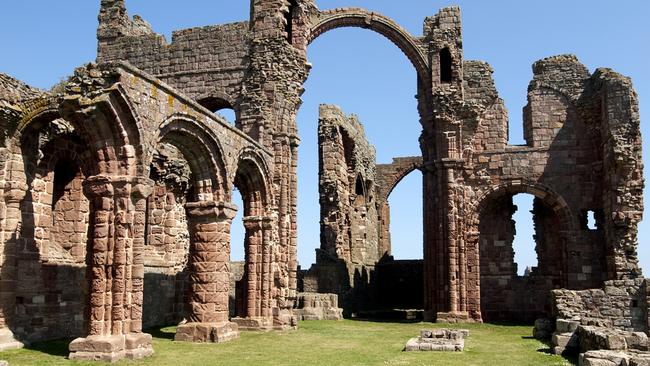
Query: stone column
x=116, y=271
x=473, y=275
x=258, y=312
x=268, y=224
x=209, y=224
x=254, y=238
x=13, y=196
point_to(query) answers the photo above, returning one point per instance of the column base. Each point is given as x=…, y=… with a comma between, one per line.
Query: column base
x=285, y=319
x=455, y=317
x=7, y=340
x=207, y=332
x=253, y=323
x=133, y=346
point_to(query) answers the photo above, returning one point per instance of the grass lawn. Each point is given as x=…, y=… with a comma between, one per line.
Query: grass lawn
x=347, y=342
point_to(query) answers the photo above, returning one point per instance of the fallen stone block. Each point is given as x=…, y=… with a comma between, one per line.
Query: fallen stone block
x=441, y=340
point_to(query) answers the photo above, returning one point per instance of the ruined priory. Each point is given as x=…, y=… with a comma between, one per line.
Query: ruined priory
x=116, y=186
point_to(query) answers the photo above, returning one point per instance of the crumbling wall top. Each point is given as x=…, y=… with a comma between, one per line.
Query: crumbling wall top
x=14, y=91
x=563, y=73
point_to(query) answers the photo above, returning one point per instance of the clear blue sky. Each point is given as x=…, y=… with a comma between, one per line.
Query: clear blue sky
x=43, y=41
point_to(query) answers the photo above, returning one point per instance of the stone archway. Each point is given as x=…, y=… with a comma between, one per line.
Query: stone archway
x=361, y=18
x=254, y=292
x=199, y=194
x=502, y=294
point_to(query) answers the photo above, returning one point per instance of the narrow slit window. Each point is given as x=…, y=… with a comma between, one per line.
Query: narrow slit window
x=288, y=16
x=358, y=189
x=445, y=66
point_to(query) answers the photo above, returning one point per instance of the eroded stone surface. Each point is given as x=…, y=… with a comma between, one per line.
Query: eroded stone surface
x=445, y=340
x=315, y=306
x=116, y=186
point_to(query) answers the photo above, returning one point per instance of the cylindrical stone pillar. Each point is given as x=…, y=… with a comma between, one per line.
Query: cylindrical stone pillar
x=253, y=245
x=209, y=224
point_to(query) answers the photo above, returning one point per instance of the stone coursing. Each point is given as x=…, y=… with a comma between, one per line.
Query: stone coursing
x=446, y=340
x=119, y=181
x=318, y=306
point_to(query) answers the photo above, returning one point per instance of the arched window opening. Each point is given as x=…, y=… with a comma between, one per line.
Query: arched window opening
x=445, y=66
x=220, y=107
x=358, y=187
x=359, y=194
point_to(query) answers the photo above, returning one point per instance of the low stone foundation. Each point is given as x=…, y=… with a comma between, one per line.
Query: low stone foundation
x=614, y=358
x=132, y=346
x=571, y=337
x=315, y=306
x=446, y=340
x=207, y=332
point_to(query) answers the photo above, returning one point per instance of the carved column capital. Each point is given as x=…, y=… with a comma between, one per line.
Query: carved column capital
x=108, y=186
x=253, y=222
x=14, y=192
x=211, y=209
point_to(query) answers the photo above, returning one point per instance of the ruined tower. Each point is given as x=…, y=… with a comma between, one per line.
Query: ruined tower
x=120, y=182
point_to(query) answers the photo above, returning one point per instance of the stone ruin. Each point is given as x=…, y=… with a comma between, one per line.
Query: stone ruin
x=443, y=340
x=116, y=188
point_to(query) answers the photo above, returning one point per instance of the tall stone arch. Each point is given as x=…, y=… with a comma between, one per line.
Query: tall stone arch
x=259, y=300
x=388, y=177
x=208, y=215
x=361, y=18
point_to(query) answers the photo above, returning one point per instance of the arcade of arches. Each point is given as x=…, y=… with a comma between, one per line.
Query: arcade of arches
x=116, y=189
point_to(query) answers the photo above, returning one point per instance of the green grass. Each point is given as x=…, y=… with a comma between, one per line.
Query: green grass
x=347, y=342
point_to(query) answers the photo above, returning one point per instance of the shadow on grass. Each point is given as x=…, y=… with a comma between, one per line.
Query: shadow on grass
x=161, y=333
x=511, y=323
x=571, y=358
x=385, y=320
x=58, y=348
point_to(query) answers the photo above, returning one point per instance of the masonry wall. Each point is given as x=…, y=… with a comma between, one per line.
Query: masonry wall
x=620, y=304
x=201, y=62
x=583, y=153
x=561, y=165
x=347, y=189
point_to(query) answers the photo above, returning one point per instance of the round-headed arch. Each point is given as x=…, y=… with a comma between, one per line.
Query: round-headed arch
x=550, y=198
x=202, y=151
x=252, y=178
x=216, y=100
x=39, y=114
x=111, y=127
x=361, y=18
x=389, y=175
